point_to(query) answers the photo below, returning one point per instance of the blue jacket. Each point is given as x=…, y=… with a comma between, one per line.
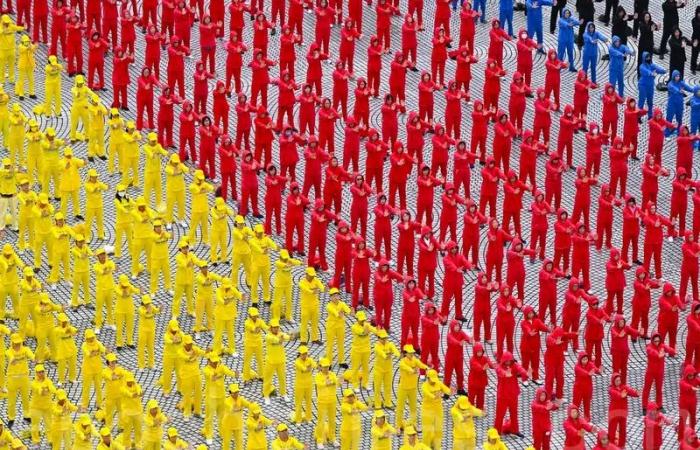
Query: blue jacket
x=534, y=12
x=617, y=54
x=506, y=6
x=566, y=27
x=676, y=89
x=648, y=72
x=590, y=41
x=695, y=104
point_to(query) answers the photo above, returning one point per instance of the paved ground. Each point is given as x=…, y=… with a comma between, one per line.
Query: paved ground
x=279, y=410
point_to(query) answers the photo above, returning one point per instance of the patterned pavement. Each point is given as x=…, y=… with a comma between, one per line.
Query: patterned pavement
x=279, y=410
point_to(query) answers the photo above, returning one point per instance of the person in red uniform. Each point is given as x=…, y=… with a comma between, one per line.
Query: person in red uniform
x=571, y=312
x=563, y=230
x=121, y=78
x=383, y=213
x=492, y=85
x=96, y=60
x=274, y=185
x=264, y=136
x=508, y=394
x=582, y=199
x=344, y=240
x=515, y=275
x=209, y=134
x=604, y=221
x=74, y=41
x=453, y=110
x=462, y=163
x=615, y=281
x=654, y=422
x=166, y=116
x=340, y=88
x=669, y=306
x=531, y=327
x=620, y=334
x=654, y=239
x=542, y=407
x=505, y=320
x=401, y=167
x=529, y=151
x=60, y=12
x=688, y=398
x=554, y=362
x=657, y=129
x=244, y=123
x=497, y=237
x=235, y=49
x=359, y=208
x=689, y=266
x=619, y=155
x=361, y=256
x=407, y=228
x=374, y=65
x=480, y=120
x=438, y=56
x=539, y=224
x=582, y=240
x=426, y=190
x=221, y=106
x=260, y=77
x=430, y=336
x=630, y=129
x=467, y=29
x=679, y=197
x=227, y=167
x=490, y=178
x=384, y=12
x=641, y=301
x=497, y=36
x=188, y=119
x=504, y=133
x=575, y=429
x=630, y=229
x=40, y=13
x=318, y=233
x=542, y=122
x=324, y=19
x=149, y=13
x=456, y=339
x=478, y=379
x=594, y=148
x=428, y=248
x=314, y=72
x=583, y=383
x=426, y=101
x=176, y=64
x=517, y=102
x=548, y=278
x=307, y=109
x=201, y=87
x=351, y=144
x=654, y=374
x=456, y=265
x=249, y=187
x=553, y=179
x=596, y=317
x=651, y=171
x=611, y=100
x=349, y=35
x=483, y=289
x=294, y=218
x=127, y=22
x=144, y=97
x=167, y=17
x=410, y=311
x=525, y=46
x=327, y=116
x=513, y=201
x=289, y=141
x=409, y=41
x=463, y=71
x=568, y=125
x=287, y=50
x=154, y=42
x=336, y=177
x=618, y=409
x=552, y=80
x=261, y=29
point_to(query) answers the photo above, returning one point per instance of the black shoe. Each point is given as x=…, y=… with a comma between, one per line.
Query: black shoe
x=21, y=97
x=28, y=420
x=519, y=434
x=91, y=158
x=10, y=423
x=132, y=346
x=462, y=392
x=119, y=348
x=33, y=97
x=445, y=397
x=343, y=365
x=78, y=217
x=103, y=158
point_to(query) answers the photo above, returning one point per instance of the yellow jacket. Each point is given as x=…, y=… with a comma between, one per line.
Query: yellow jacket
x=381, y=435
x=199, y=193
x=326, y=387
x=27, y=201
x=308, y=297
x=7, y=38
x=283, y=272
x=275, y=353
x=215, y=380
x=175, y=177
x=257, y=438
x=113, y=381
x=51, y=148
x=97, y=113
x=125, y=209
x=384, y=355
x=30, y=291
x=233, y=414
x=84, y=436
x=26, y=59
x=179, y=444
x=219, y=217
x=186, y=263
x=8, y=181
x=350, y=415
x=125, y=301
x=63, y=415
x=80, y=96
x=154, y=158
x=226, y=303
x=61, y=238
x=409, y=371
x=432, y=395
x=336, y=314
x=116, y=130
x=8, y=269
x=172, y=344
x=43, y=218
x=131, y=400
x=70, y=175
x=18, y=123
x=498, y=444
x=131, y=144
x=153, y=426
x=303, y=369
x=159, y=251
x=239, y=240
x=260, y=249
x=81, y=258
x=104, y=274
x=147, y=318
x=65, y=341
x=92, y=357
x=45, y=314
x=94, y=194
x=253, y=331
x=34, y=139
x=205, y=284
x=42, y=394
x=361, y=334
x=463, y=421
x=142, y=223
x=190, y=361
x=291, y=443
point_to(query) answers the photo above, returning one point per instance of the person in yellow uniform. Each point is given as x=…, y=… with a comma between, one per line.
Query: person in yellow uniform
x=113, y=376
x=84, y=433
x=360, y=350
x=154, y=419
x=45, y=313
x=124, y=221
x=79, y=108
x=132, y=411
x=464, y=434
x=219, y=215
x=147, y=332
x=284, y=441
x=282, y=297
x=81, y=254
x=69, y=184
x=431, y=409
x=351, y=421
x=62, y=421
x=116, y=127
x=50, y=170
x=173, y=442
x=131, y=153
x=261, y=246
x=15, y=140
x=175, y=189
x=160, y=257
x=240, y=254
x=215, y=373
x=409, y=371
x=304, y=366
x=104, y=270
x=335, y=327
x=52, y=83
x=256, y=425
x=94, y=203
x=199, y=207
x=254, y=328
x=34, y=138
x=412, y=442
x=26, y=63
x=8, y=195
x=275, y=361
x=96, y=128
x=31, y=289
x=141, y=242
x=8, y=48
x=10, y=263
x=125, y=312
x=190, y=356
x=154, y=154
x=91, y=369
x=4, y=331
x=185, y=262
x=225, y=313
x=66, y=350
x=43, y=390
x=384, y=354
x=382, y=431
x=6, y=437
x=43, y=214
x=326, y=383
x=60, y=249
x=232, y=423
x=310, y=289
x=106, y=441
x=204, y=299
x=493, y=440
x=26, y=199
x=18, y=357
x=4, y=115
x=172, y=342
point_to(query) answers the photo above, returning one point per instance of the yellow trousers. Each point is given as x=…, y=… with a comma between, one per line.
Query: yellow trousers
x=260, y=274
x=153, y=183
x=309, y=318
x=464, y=444
x=78, y=114
x=250, y=352
x=272, y=369
x=406, y=396
x=12, y=291
x=123, y=232
x=171, y=364
x=17, y=386
x=111, y=409
x=219, y=245
x=188, y=291
x=160, y=266
x=91, y=381
x=382, y=388
x=24, y=76
x=335, y=337
x=432, y=427
x=26, y=312
x=131, y=164
x=238, y=260
x=192, y=395
x=44, y=342
x=282, y=303
x=213, y=407
x=326, y=423
x=125, y=320
x=8, y=206
x=221, y=327
x=38, y=415
x=7, y=65
x=74, y=198
x=115, y=153
x=42, y=240
x=228, y=435
x=350, y=439
x=104, y=300
x=62, y=439
x=140, y=245
x=15, y=143
x=96, y=144
x=33, y=165
x=81, y=280
x=359, y=368
x=68, y=367
x=53, y=99
x=95, y=215
x=203, y=306
x=172, y=199
x=60, y=257
x=199, y=220
x=302, y=404
x=146, y=345
x=50, y=173
x=26, y=233
x=133, y=425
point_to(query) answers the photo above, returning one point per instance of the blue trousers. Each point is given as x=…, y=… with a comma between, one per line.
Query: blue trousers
x=454, y=4
x=506, y=17
x=480, y=6
x=674, y=111
x=566, y=49
x=590, y=61
x=617, y=79
x=646, y=96
x=535, y=30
